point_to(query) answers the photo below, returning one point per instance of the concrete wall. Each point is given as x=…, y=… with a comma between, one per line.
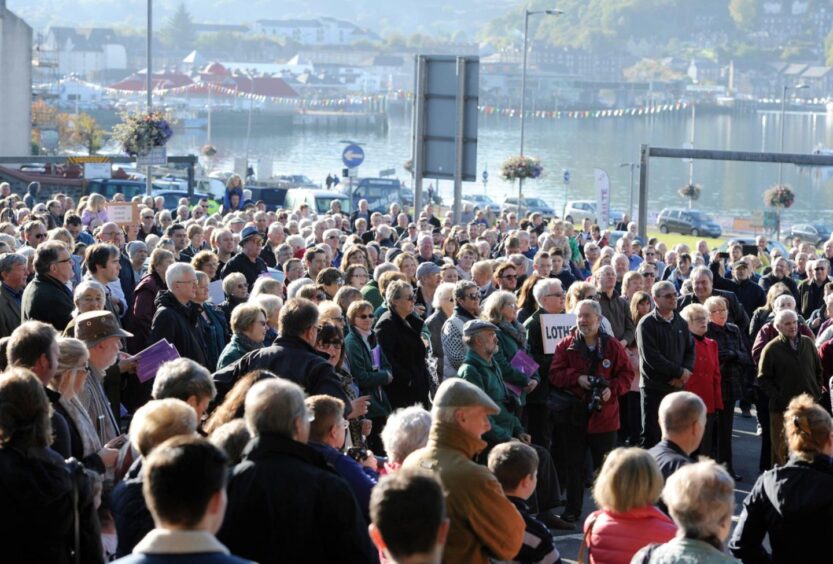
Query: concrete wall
x=15, y=84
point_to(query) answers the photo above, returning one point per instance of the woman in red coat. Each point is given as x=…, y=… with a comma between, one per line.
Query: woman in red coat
x=627, y=488
x=587, y=351
x=705, y=378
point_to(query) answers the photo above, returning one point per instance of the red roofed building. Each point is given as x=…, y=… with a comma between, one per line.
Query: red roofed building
x=161, y=80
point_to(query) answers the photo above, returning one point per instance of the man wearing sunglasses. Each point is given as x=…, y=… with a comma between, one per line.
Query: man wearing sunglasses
x=34, y=233
x=666, y=357
x=506, y=277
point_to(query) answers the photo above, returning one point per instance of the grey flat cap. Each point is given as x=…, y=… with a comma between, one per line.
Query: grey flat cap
x=476, y=326
x=456, y=392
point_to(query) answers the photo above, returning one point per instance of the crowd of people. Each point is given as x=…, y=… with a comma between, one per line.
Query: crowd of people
x=376, y=387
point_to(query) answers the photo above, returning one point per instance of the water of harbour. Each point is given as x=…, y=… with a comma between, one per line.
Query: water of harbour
x=579, y=145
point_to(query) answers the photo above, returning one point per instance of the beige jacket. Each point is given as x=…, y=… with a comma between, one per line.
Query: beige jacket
x=484, y=524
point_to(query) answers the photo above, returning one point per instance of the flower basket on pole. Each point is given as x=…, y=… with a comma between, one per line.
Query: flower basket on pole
x=779, y=196
x=520, y=168
x=691, y=192
x=139, y=134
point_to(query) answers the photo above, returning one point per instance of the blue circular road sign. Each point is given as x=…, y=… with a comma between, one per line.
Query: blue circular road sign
x=352, y=156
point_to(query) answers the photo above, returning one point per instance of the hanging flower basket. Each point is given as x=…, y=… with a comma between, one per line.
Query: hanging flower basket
x=779, y=196
x=208, y=151
x=690, y=191
x=408, y=166
x=139, y=133
x=521, y=168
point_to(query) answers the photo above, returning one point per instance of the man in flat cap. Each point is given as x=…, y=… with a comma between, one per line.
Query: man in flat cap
x=479, y=368
x=484, y=523
x=101, y=332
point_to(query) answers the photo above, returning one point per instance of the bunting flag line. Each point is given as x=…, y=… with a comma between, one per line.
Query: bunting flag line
x=585, y=114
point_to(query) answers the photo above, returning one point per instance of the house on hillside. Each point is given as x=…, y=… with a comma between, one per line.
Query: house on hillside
x=819, y=81
x=86, y=51
x=320, y=31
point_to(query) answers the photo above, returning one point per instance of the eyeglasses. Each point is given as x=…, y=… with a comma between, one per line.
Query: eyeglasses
x=649, y=274
x=192, y=282
x=669, y=295
x=556, y=295
x=68, y=259
x=593, y=297
x=510, y=276
x=39, y=235
x=409, y=297
x=698, y=319
x=336, y=344
x=366, y=316
x=819, y=268
x=320, y=297
x=471, y=297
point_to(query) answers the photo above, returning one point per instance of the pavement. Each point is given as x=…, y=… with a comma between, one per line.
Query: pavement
x=746, y=452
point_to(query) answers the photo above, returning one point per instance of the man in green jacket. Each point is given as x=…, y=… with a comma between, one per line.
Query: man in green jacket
x=480, y=369
x=789, y=366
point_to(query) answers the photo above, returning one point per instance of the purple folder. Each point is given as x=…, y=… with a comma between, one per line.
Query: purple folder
x=150, y=359
x=522, y=362
x=376, y=355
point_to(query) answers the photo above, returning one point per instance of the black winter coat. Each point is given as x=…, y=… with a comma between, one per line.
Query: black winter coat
x=737, y=314
x=45, y=299
x=736, y=366
x=291, y=358
x=286, y=504
x=178, y=324
x=130, y=512
x=37, y=513
x=794, y=505
x=401, y=341
x=664, y=350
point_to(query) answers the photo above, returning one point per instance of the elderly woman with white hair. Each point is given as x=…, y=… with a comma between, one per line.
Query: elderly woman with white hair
x=406, y=430
x=176, y=313
x=443, y=303
x=789, y=366
x=501, y=309
x=248, y=325
x=701, y=500
x=89, y=295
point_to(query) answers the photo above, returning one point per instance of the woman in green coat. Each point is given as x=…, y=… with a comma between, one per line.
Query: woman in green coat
x=370, y=369
x=248, y=322
x=501, y=309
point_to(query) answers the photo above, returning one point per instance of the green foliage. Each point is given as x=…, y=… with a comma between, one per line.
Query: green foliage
x=828, y=48
x=81, y=129
x=179, y=32
x=745, y=13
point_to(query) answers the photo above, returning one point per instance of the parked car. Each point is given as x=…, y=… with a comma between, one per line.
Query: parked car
x=814, y=233
x=579, y=210
x=687, y=222
x=482, y=202
x=750, y=247
x=272, y=196
x=529, y=205
x=318, y=200
x=109, y=187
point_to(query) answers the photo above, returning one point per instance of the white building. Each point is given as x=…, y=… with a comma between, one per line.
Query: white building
x=84, y=51
x=320, y=31
x=16, y=84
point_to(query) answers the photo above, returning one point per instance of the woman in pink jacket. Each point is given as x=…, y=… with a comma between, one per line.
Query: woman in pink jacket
x=705, y=378
x=628, y=486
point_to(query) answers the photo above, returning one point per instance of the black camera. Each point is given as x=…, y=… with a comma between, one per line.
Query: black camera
x=597, y=386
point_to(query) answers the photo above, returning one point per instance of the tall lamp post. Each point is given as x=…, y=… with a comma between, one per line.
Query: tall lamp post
x=249, y=124
x=633, y=167
x=149, y=77
x=527, y=13
x=801, y=86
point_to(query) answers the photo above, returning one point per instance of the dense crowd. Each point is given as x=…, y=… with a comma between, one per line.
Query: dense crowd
x=376, y=387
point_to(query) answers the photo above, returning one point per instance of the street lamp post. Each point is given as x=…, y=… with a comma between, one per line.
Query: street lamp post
x=527, y=13
x=249, y=125
x=149, y=83
x=633, y=167
x=801, y=86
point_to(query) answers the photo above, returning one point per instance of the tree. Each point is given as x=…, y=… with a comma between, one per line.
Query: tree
x=81, y=129
x=179, y=33
x=744, y=13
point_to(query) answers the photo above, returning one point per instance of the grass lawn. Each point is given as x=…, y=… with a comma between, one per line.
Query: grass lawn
x=671, y=239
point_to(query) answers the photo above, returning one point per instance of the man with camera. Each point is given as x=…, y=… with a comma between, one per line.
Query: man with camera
x=589, y=371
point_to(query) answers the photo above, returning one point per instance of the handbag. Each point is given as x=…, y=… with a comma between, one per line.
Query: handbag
x=585, y=547
x=560, y=401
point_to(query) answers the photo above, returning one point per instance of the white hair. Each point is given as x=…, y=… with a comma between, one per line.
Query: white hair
x=784, y=316
x=544, y=287
x=176, y=272
x=406, y=430
x=783, y=303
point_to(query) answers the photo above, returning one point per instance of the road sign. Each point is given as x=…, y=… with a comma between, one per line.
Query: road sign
x=387, y=172
x=352, y=156
x=565, y=175
x=485, y=176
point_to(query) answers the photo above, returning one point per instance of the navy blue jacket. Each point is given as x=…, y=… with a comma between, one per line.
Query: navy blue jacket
x=358, y=477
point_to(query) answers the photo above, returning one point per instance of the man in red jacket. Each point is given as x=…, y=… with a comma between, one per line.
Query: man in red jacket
x=593, y=368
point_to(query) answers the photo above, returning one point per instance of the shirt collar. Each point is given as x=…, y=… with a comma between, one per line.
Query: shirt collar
x=164, y=541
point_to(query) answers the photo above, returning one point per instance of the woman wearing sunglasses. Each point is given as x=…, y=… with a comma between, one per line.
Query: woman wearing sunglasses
x=370, y=368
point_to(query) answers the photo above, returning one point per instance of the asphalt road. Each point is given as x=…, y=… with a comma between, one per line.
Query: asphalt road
x=746, y=451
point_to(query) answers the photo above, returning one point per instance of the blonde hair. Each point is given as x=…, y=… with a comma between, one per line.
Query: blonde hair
x=691, y=310
x=496, y=302
x=328, y=311
x=807, y=427
x=244, y=316
x=159, y=420
x=629, y=478
x=72, y=354
x=575, y=293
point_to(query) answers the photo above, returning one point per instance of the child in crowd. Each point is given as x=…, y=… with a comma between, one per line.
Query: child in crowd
x=515, y=465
